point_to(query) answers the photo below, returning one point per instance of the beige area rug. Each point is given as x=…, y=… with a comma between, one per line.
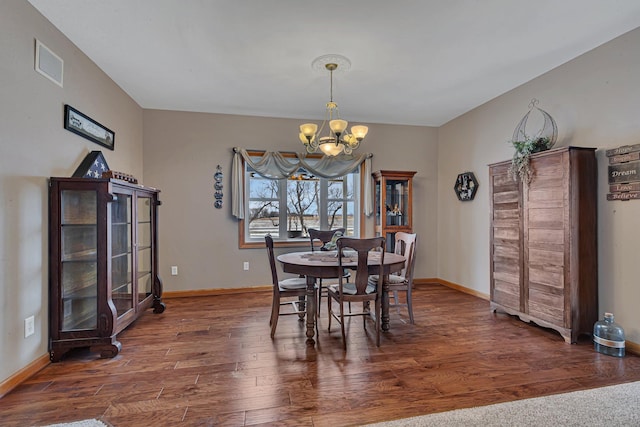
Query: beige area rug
x=82, y=423
x=617, y=405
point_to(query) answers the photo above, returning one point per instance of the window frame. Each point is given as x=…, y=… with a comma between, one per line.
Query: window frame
x=298, y=242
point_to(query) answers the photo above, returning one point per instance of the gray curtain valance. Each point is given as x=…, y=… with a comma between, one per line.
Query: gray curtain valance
x=273, y=165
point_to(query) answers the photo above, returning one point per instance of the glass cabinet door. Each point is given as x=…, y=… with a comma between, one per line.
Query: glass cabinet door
x=144, y=247
x=396, y=202
x=121, y=253
x=79, y=266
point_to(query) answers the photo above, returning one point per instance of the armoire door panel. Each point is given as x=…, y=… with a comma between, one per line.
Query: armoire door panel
x=540, y=256
x=502, y=251
x=504, y=268
x=538, y=216
x=541, y=194
x=546, y=236
x=508, y=198
x=546, y=277
x=506, y=233
x=547, y=312
x=509, y=216
x=506, y=294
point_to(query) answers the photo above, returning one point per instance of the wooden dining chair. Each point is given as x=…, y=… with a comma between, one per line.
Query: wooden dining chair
x=327, y=239
x=402, y=281
x=284, y=291
x=360, y=290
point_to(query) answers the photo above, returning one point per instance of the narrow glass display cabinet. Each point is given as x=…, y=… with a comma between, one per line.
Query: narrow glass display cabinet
x=103, y=262
x=393, y=204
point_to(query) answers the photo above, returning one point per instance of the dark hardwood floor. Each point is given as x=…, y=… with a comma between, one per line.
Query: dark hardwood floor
x=210, y=361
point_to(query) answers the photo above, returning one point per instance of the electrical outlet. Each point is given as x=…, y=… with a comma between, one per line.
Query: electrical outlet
x=174, y=270
x=246, y=265
x=29, y=326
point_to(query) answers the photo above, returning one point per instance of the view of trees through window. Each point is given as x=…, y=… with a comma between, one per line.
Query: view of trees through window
x=287, y=208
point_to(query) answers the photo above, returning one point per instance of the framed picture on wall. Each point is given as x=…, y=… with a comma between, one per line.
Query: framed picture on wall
x=80, y=124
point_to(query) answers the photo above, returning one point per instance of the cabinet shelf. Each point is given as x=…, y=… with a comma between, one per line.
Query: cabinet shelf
x=89, y=219
x=88, y=291
x=121, y=254
x=81, y=256
x=118, y=287
x=81, y=322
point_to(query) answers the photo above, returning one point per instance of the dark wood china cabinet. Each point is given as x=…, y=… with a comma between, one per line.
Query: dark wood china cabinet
x=103, y=262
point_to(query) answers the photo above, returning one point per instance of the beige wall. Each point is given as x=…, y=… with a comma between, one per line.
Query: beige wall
x=181, y=151
x=595, y=101
x=34, y=146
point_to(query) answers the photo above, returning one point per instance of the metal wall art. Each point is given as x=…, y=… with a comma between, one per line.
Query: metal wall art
x=526, y=144
x=218, y=187
x=466, y=186
x=546, y=129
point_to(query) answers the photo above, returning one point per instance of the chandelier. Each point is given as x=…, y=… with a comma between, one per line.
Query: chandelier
x=337, y=139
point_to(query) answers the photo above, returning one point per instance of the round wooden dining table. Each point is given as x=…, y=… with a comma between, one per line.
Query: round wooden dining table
x=324, y=265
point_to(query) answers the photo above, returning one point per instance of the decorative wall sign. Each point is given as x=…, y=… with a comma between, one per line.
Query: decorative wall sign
x=78, y=123
x=466, y=186
x=624, y=172
x=218, y=186
x=93, y=166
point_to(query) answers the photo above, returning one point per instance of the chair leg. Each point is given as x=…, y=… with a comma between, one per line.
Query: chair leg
x=396, y=301
x=344, y=336
x=318, y=302
x=274, y=318
x=378, y=324
x=410, y=306
x=349, y=301
x=274, y=303
x=329, y=312
x=365, y=308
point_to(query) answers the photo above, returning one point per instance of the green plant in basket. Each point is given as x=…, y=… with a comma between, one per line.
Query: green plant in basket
x=520, y=167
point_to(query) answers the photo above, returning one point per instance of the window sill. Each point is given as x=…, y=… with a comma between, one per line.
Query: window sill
x=301, y=243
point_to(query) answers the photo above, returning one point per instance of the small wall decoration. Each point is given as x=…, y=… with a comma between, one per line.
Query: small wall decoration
x=466, y=186
x=93, y=166
x=122, y=176
x=624, y=172
x=218, y=186
x=78, y=123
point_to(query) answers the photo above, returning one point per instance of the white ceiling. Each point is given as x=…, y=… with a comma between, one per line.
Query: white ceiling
x=412, y=62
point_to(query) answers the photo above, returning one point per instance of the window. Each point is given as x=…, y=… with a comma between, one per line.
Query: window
x=287, y=208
